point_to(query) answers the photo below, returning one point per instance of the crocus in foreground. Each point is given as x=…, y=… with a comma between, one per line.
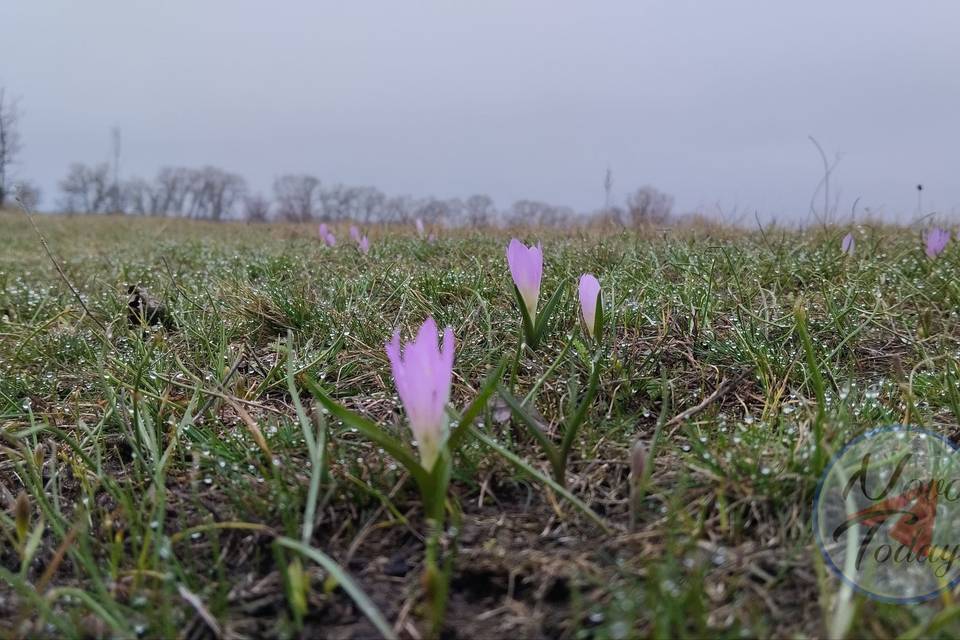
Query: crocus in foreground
x=936, y=241
x=588, y=292
x=364, y=245
x=423, y=373
x=526, y=267
x=847, y=244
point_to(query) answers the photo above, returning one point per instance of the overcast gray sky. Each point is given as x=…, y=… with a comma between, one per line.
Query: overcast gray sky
x=709, y=101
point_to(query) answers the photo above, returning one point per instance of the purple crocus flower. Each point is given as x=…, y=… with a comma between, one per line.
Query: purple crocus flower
x=526, y=267
x=354, y=233
x=848, y=244
x=588, y=292
x=423, y=373
x=364, y=245
x=329, y=239
x=936, y=241
x=420, y=229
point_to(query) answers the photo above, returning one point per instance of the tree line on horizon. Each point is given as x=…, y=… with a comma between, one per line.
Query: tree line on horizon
x=210, y=193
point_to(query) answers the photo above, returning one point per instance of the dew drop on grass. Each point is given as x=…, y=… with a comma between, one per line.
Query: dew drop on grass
x=619, y=630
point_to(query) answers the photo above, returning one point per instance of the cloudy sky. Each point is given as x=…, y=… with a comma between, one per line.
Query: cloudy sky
x=712, y=102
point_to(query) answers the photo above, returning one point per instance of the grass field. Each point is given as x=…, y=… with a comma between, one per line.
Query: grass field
x=171, y=487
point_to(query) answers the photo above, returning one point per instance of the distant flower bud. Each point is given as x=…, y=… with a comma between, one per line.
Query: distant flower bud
x=936, y=241
x=21, y=514
x=848, y=244
x=638, y=460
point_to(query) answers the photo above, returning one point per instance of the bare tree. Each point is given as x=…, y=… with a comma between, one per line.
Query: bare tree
x=480, y=211
x=648, y=206
x=9, y=143
x=256, y=208
x=172, y=189
x=399, y=209
x=333, y=203
x=215, y=192
x=141, y=197
x=86, y=189
x=532, y=213
x=368, y=204
x=298, y=197
x=29, y=193
x=433, y=211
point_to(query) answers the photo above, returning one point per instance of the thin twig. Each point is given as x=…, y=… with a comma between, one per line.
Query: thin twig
x=180, y=290
x=56, y=264
x=194, y=601
x=713, y=397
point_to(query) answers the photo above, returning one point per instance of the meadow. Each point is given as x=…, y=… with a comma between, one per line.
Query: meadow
x=216, y=476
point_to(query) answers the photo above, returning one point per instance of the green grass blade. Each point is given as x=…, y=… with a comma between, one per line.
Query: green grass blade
x=528, y=329
x=522, y=466
x=372, y=432
x=543, y=318
x=528, y=421
x=461, y=430
x=363, y=602
x=573, y=423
